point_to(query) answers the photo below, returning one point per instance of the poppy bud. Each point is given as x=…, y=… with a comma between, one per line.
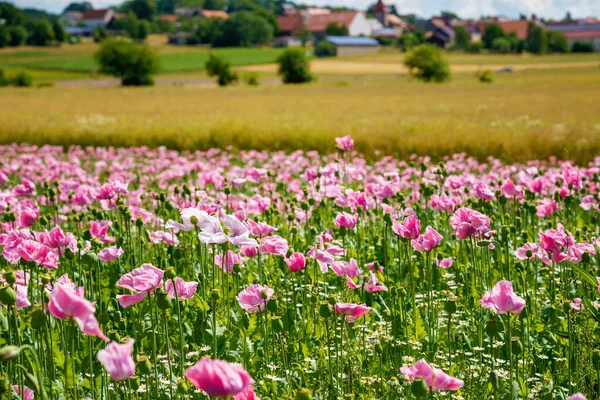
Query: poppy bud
x=90, y=258
x=169, y=205
x=277, y=325
x=162, y=197
x=304, y=394
x=170, y=273
x=264, y=294
x=186, y=189
x=194, y=220
x=143, y=365
x=32, y=382
x=38, y=318
x=237, y=268
x=10, y=217
x=272, y=305
x=69, y=255
x=10, y=278
x=227, y=191
x=9, y=351
x=596, y=356
x=162, y=300
x=182, y=387
x=134, y=381
x=215, y=294
x=8, y=297
x=418, y=388
x=517, y=347
x=450, y=306
x=492, y=327
x=324, y=310
x=139, y=223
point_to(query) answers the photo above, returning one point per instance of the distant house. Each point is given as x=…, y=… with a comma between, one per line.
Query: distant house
x=170, y=18
x=387, y=19
x=189, y=12
x=439, y=31
x=98, y=18
x=353, y=46
x=518, y=27
x=290, y=26
x=586, y=30
x=354, y=21
x=71, y=18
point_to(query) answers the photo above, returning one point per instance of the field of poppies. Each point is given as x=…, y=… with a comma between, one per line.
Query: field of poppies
x=144, y=273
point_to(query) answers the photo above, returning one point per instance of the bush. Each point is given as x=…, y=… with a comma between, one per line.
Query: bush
x=59, y=33
x=582, y=47
x=3, y=80
x=475, y=48
x=99, y=35
x=491, y=33
x=486, y=76
x=219, y=67
x=18, y=36
x=325, y=49
x=252, y=79
x=427, y=63
x=294, y=66
x=501, y=45
x=4, y=37
x=134, y=64
x=22, y=79
x=42, y=34
x=557, y=42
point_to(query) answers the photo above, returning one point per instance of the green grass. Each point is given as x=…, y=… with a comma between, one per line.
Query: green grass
x=524, y=115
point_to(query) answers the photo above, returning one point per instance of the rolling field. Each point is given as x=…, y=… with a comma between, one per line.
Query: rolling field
x=524, y=115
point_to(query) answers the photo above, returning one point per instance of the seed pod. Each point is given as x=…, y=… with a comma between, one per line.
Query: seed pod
x=215, y=294
x=163, y=302
x=170, y=273
x=517, y=347
x=277, y=325
x=8, y=297
x=324, y=310
x=134, y=381
x=90, y=258
x=304, y=394
x=418, y=388
x=143, y=365
x=492, y=327
x=272, y=305
x=182, y=387
x=38, y=318
x=10, y=278
x=9, y=351
x=450, y=306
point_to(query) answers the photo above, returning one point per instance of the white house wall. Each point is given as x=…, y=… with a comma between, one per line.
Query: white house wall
x=359, y=26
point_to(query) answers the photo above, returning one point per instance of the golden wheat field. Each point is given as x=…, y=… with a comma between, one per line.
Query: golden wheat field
x=532, y=113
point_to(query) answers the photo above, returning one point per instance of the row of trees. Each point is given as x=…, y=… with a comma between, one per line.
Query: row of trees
x=18, y=28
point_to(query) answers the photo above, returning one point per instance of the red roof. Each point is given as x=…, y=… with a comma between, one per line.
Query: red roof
x=290, y=23
x=96, y=14
x=518, y=26
x=576, y=35
x=215, y=14
x=318, y=23
x=168, y=18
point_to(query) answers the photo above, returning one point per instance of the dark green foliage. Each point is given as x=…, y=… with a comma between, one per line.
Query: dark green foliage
x=325, y=49
x=427, y=63
x=42, y=34
x=143, y=9
x=143, y=30
x=4, y=37
x=99, y=35
x=79, y=7
x=269, y=17
x=3, y=80
x=557, y=42
x=461, y=37
x=294, y=66
x=165, y=6
x=536, y=39
x=582, y=47
x=333, y=29
x=11, y=15
x=486, y=76
x=501, y=45
x=491, y=33
x=475, y=48
x=22, y=79
x=305, y=36
x=59, y=32
x=513, y=40
x=252, y=79
x=221, y=69
x=18, y=35
x=134, y=64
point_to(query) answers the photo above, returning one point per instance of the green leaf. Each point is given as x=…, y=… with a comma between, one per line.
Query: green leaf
x=585, y=276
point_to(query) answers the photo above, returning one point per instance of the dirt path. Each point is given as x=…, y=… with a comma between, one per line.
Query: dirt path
x=334, y=66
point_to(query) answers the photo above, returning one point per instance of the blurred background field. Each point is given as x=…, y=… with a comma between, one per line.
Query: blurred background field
x=548, y=106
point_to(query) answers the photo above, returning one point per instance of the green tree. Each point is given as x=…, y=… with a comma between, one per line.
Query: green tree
x=305, y=36
x=99, y=35
x=11, y=15
x=536, y=41
x=42, y=34
x=244, y=5
x=18, y=35
x=134, y=64
x=165, y=6
x=214, y=4
x=582, y=47
x=59, y=32
x=143, y=30
x=513, y=40
x=490, y=33
x=501, y=45
x=219, y=67
x=244, y=29
x=557, y=42
x=449, y=14
x=132, y=24
x=143, y=9
x=427, y=63
x=269, y=17
x=79, y=7
x=407, y=41
x=294, y=66
x=325, y=49
x=334, y=29
x=461, y=37
x=4, y=36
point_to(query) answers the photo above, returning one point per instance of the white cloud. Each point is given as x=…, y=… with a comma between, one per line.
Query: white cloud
x=58, y=5
x=475, y=8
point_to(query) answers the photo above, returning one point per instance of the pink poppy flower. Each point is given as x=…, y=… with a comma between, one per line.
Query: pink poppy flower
x=66, y=303
x=346, y=220
x=352, y=311
x=410, y=228
x=20, y=287
x=213, y=233
x=374, y=285
x=484, y=192
x=444, y=262
x=185, y=290
x=116, y=359
x=296, y=262
x=343, y=268
x=25, y=189
x=246, y=394
x=546, y=208
x=467, y=222
x=345, y=143
x=28, y=394
x=509, y=190
x=576, y=304
x=142, y=280
x=434, y=378
x=502, y=299
x=191, y=218
x=555, y=241
x=28, y=216
x=260, y=229
x=577, y=396
x=428, y=241
x=219, y=378
x=231, y=260
x=249, y=251
x=110, y=253
x=38, y=253
x=534, y=251
x=255, y=298
x=99, y=230
x=275, y=245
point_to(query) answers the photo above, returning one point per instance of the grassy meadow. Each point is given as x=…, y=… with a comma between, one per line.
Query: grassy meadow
x=534, y=113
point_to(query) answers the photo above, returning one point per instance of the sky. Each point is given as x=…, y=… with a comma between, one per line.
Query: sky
x=425, y=8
